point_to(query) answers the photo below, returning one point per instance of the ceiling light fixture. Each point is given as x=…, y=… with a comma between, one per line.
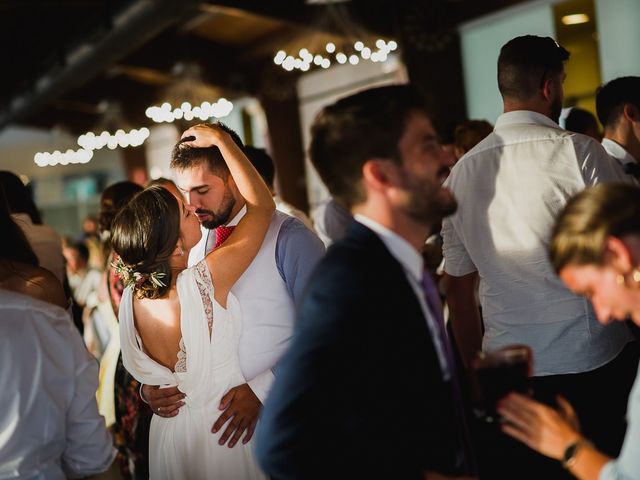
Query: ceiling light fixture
x=89, y=142
x=133, y=138
x=349, y=42
x=206, y=110
x=46, y=159
x=575, y=19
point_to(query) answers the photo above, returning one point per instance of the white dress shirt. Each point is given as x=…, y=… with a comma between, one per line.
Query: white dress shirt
x=46, y=244
x=413, y=266
x=620, y=154
x=510, y=188
x=49, y=422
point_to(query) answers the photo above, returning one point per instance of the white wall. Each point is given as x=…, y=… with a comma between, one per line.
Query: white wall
x=323, y=87
x=481, y=40
x=619, y=32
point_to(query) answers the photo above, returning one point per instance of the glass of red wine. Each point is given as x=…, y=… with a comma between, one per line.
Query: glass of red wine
x=497, y=373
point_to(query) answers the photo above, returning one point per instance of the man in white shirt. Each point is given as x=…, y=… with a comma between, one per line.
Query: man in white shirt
x=368, y=388
x=618, y=107
x=510, y=187
x=49, y=422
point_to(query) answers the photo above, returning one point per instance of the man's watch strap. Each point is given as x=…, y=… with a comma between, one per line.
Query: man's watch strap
x=571, y=452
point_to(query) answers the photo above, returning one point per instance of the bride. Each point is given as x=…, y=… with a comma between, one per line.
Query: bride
x=180, y=326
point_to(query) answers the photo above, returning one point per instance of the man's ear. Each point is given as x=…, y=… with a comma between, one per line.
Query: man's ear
x=377, y=174
x=548, y=89
x=617, y=254
x=631, y=112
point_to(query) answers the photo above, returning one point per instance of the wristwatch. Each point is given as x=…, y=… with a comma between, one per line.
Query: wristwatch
x=570, y=453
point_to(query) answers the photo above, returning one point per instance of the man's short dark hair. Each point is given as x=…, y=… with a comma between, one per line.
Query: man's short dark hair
x=526, y=62
x=262, y=162
x=357, y=128
x=580, y=121
x=184, y=156
x=612, y=97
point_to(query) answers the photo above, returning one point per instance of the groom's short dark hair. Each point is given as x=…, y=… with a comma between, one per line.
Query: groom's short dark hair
x=185, y=156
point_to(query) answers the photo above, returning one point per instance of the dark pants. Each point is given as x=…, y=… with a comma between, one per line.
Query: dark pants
x=600, y=399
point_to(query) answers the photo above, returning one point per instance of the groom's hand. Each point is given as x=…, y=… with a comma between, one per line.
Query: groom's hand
x=163, y=401
x=242, y=406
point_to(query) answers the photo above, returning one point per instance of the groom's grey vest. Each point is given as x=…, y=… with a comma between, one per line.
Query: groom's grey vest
x=267, y=308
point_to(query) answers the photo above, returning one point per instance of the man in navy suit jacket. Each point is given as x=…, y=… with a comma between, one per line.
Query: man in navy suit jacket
x=368, y=388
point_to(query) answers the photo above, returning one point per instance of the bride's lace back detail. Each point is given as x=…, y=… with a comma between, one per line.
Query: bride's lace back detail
x=181, y=364
x=205, y=287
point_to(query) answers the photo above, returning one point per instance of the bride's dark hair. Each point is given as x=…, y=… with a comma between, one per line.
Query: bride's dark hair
x=144, y=234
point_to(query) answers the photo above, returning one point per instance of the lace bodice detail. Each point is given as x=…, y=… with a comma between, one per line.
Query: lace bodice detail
x=181, y=364
x=205, y=287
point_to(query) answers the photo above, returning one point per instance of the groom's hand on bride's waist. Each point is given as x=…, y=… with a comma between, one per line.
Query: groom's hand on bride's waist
x=163, y=401
x=242, y=407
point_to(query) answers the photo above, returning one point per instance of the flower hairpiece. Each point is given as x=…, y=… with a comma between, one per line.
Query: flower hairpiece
x=132, y=278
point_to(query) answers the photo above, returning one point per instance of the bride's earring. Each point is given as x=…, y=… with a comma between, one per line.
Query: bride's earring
x=635, y=276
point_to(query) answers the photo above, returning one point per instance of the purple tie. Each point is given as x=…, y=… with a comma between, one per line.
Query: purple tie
x=435, y=307
x=432, y=296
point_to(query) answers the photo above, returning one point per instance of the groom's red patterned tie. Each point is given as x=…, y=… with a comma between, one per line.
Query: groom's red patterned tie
x=222, y=233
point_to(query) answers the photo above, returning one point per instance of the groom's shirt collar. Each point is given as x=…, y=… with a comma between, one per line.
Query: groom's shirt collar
x=236, y=220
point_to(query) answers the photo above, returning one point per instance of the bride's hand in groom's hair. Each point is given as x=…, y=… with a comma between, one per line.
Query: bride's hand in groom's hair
x=242, y=406
x=164, y=402
x=203, y=135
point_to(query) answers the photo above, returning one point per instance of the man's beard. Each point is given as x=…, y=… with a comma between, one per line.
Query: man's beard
x=556, y=109
x=428, y=202
x=222, y=215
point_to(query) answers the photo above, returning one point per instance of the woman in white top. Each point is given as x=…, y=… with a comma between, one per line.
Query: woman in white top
x=181, y=326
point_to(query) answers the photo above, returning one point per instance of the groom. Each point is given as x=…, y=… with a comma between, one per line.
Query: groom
x=267, y=291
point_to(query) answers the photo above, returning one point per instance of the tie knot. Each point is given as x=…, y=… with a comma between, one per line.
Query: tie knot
x=222, y=233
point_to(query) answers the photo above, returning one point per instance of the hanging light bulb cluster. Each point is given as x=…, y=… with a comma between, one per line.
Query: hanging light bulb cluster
x=89, y=142
x=47, y=159
x=133, y=138
x=204, y=111
x=352, y=55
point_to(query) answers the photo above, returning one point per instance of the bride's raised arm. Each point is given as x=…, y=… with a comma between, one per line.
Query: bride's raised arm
x=228, y=262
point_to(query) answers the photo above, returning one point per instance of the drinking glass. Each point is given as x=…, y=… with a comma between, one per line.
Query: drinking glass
x=495, y=374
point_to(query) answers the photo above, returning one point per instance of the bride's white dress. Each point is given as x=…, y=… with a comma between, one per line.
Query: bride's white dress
x=183, y=447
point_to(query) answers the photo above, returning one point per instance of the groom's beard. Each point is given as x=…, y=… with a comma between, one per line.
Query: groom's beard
x=222, y=216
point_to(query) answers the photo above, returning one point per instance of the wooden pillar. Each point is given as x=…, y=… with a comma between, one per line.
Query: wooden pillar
x=431, y=52
x=283, y=120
